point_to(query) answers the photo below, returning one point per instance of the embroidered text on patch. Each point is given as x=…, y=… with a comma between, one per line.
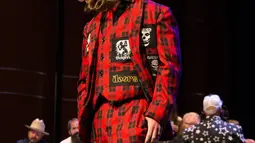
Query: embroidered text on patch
x=124, y=79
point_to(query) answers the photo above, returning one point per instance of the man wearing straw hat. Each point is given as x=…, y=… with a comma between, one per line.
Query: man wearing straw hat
x=35, y=133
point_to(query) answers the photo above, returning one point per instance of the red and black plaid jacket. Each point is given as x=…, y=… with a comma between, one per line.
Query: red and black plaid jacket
x=155, y=55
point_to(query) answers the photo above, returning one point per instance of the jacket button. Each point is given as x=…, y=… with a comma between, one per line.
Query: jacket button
x=103, y=39
x=101, y=73
x=102, y=57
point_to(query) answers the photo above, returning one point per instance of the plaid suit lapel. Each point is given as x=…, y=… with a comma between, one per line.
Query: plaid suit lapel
x=145, y=78
x=87, y=110
x=93, y=33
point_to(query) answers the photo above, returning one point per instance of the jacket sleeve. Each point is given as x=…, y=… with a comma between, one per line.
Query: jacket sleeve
x=81, y=88
x=168, y=74
x=239, y=134
x=82, y=76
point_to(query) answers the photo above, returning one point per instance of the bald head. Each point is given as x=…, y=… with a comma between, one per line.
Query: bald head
x=190, y=119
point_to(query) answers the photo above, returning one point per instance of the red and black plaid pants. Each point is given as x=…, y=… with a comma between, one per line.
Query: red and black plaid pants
x=124, y=123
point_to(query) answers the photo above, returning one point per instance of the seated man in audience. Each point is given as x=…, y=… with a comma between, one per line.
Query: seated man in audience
x=190, y=119
x=213, y=129
x=73, y=130
x=35, y=133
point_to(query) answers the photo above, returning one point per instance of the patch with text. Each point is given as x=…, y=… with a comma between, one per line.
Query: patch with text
x=153, y=60
x=123, y=78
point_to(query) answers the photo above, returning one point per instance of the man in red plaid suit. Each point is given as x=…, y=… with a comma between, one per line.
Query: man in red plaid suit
x=130, y=72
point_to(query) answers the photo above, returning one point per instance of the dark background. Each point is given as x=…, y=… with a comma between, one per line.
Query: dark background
x=40, y=61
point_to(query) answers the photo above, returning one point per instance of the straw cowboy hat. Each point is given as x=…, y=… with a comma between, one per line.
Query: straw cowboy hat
x=37, y=125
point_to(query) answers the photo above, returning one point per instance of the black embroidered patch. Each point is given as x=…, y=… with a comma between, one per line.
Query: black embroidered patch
x=123, y=78
x=148, y=36
x=121, y=51
x=153, y=60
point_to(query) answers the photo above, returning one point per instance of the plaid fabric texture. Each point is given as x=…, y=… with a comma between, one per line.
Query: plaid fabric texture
x=116, y=76
x=125, y=124
x=112, y=59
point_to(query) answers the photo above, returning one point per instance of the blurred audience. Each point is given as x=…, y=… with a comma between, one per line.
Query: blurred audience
x=72, y=127
x=233, y=121
x=213, y=125
x=35, y=133
x=190, y=119
x=213, y=128
x=175, y=119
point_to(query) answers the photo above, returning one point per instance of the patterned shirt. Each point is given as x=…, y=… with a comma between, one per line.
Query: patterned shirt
x=213, y=130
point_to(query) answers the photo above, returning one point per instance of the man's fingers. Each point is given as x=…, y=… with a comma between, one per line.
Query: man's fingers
x=148, y=135
x=154, y=134
x=159, y=130
x=154, y=131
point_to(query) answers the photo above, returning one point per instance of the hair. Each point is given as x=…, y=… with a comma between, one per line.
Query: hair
x=233, y=121
x=191, y=114
x=69, y=124
x=224, y=114
x=99, y=5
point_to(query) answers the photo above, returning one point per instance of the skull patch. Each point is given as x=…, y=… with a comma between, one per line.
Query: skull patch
x=154, y=64
x=146, y=36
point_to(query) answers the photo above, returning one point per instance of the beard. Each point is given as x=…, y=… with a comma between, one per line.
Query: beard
x=75, y=138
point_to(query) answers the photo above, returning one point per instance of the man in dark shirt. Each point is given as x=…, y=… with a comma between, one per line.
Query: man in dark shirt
x=35, y=133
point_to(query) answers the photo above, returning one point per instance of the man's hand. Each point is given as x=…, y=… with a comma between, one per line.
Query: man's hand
x=154, y=130
x=175, y=128
x=249, y=141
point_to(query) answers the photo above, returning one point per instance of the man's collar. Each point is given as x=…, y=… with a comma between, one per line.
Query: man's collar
x=214, y=117
x=131, y=1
